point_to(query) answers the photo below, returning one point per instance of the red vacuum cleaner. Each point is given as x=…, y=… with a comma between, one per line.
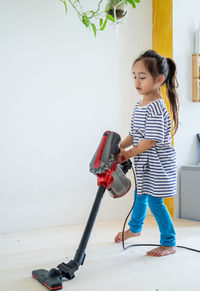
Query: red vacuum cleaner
x=110, y=176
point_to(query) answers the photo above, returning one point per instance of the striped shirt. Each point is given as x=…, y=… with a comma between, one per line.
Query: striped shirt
x=156, y=167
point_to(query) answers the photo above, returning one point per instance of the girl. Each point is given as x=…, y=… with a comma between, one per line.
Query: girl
x=154, y=157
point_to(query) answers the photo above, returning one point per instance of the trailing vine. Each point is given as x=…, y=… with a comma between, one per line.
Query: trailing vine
x=97, y=20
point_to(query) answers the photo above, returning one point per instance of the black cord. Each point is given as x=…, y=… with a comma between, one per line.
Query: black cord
x=140, y=245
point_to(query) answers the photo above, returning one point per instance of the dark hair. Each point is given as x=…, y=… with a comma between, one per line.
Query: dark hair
x=158, y=65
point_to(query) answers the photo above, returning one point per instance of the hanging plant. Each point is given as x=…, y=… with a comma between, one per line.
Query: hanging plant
x=97, y=20
x=117, y=9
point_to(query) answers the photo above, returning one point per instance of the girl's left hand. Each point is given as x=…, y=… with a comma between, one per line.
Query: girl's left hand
x=122, y=156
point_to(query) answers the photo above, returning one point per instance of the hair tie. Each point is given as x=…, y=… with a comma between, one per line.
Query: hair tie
x=164, y=60
x=166, y=76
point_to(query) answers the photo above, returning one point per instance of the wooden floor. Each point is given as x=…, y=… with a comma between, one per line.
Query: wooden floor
x=107, y=267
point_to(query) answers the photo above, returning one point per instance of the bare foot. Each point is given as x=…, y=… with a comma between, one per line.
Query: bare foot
x=161, y=251
x=127, y=234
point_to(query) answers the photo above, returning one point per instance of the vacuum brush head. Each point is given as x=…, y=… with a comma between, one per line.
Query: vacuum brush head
x=51, y=279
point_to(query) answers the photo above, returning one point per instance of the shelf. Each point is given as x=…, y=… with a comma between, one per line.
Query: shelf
x=196, y=77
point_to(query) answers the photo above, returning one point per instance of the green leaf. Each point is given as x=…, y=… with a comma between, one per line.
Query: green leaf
x=137, y=1
x=107, y=9
x=104, y=25
x=85, y=21
x=100, y=22
x=132, y=3
x=110, y=17
x=94, y=29
x=64, y=2
x=65, y=6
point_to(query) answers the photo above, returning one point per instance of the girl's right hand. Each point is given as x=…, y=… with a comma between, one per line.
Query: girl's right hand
x=122, y=156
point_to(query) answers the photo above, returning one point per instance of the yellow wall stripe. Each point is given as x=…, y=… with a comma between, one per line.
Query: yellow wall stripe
x=162, y=41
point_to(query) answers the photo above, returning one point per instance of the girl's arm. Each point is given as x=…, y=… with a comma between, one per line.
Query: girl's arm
x=127, y=142
x=141, y=147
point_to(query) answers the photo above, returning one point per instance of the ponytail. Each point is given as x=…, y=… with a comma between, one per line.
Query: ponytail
x=171, y=85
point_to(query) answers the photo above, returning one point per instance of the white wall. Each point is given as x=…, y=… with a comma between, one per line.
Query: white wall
x=185, y=17
x=60, y=90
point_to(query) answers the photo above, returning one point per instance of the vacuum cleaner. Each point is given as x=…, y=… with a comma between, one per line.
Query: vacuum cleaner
x=110, y=176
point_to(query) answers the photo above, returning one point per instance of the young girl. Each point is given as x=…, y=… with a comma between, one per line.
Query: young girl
x=154, y=156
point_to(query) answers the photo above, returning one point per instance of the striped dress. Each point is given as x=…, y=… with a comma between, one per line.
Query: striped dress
x=156, y=167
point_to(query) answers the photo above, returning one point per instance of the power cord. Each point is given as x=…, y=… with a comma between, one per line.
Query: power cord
x=140, y=245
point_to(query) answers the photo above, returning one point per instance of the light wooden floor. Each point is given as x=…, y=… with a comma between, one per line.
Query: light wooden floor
x=107, y=267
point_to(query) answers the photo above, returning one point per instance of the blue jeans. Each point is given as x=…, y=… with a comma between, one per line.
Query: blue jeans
x=161, y=214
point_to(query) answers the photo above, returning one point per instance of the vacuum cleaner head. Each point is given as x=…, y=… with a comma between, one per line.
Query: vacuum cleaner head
x=51, y=279
x=104, y=165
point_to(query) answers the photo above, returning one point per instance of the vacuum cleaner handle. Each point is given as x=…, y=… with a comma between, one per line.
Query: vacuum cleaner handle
x=106, y=153
x=110, y=174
